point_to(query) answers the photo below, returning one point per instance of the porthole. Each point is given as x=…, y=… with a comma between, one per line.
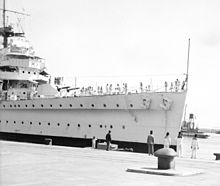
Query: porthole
x=7, y=121
x=58, y=124
x=18, y=105
x=3, y=105
x=51, y=105
x=14, y=105
x=39, y=123
x=81, y=105
x=30, y=123
x=92, y=105
x=22, y=122
x=0, y=121
x=123, y=127
x=60, y=105
x=131, y=105
x=10, y=105
x=25, y=105
x=24, y=92
x=42, y=105
x=68, y=124
x=100, y=126
x=48, y=123
x=117, y=105
x=89, y=126
x=78, y=125
x=111, y=126
x=34, y=73
x=104, y=105
x=22, y=71
x=14, y=122
x=29, y=72
x=33, y=105
x=71, y=105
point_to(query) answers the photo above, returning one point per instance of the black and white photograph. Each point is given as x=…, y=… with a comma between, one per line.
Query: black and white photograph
x=109, y=92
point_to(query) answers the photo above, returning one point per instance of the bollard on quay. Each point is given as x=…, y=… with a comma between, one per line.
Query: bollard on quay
x=166, y=158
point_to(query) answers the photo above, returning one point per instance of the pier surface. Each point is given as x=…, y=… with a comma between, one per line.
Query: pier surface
x=24, y=164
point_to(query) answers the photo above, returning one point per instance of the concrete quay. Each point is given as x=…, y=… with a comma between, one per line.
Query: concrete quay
x=25, y=164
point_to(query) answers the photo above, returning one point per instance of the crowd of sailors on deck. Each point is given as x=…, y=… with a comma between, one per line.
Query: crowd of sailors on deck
x=109, y=89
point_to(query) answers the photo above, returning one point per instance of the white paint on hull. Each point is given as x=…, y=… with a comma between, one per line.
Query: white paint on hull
x=124, y=115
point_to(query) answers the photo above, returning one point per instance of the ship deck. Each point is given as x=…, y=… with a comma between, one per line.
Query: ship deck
x=33, y=164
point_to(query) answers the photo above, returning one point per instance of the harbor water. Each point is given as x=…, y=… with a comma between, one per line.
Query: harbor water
x=206, y=147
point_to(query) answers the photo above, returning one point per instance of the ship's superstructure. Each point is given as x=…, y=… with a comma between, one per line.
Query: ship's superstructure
x=32, y=109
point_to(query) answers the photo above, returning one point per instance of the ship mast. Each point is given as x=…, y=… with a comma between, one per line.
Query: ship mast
x=187, y=70
x=4, y=26
x=7, y=31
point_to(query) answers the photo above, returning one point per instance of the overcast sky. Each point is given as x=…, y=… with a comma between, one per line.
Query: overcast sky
x=95, y=38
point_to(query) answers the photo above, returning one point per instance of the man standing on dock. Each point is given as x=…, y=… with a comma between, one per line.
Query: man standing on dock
x=108, y=140
x=167, y=140
x=150, y=143
x=194, y=146
x=179, y=144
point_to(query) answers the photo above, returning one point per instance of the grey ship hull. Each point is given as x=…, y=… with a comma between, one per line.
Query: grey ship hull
x=74, y=121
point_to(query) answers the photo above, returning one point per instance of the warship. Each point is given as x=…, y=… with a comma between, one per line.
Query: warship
x=33, y=110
